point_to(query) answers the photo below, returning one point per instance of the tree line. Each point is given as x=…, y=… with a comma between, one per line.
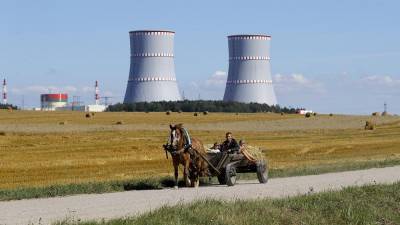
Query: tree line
x=7, y=106
x=198, y=106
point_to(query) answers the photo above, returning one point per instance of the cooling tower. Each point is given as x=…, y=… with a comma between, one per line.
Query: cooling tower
x=249, y=76
x=152, y=69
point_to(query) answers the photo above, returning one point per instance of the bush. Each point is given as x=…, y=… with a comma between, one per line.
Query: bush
x=307, y=115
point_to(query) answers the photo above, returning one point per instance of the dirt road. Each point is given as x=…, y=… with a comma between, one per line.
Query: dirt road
x=112, y=205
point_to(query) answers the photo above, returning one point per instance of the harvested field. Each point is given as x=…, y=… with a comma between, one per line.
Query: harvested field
x=36, y=151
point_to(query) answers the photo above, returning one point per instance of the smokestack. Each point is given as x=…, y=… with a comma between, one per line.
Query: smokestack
x=249, y=76
x=96, y=95
x=4, y=91
x=152, y=69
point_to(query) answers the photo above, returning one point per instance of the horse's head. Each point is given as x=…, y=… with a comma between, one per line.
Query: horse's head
x=175, y=135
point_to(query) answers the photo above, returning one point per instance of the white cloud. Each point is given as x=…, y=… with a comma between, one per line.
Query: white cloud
x=216, y=79
x=381, y=80
x=297, y=82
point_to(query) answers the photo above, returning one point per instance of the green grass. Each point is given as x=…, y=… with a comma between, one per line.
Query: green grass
x=375, y=204
x=163, y=182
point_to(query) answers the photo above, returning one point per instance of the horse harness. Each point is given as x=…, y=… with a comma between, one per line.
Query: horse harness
x=187, y=147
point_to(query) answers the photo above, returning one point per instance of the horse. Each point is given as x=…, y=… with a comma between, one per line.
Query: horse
x=187, y=151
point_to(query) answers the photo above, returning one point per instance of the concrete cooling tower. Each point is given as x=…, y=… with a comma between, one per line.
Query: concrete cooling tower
x=249, y=76
x=152, y=70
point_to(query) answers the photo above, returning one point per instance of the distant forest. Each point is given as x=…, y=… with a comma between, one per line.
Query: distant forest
x=6, y=106
x=198, y=106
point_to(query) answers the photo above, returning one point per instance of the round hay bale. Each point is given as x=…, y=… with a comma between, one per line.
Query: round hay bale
x=369, y=125
x=179, y=111
x=376, y=114
x=205, y=113
x=282, y=113
x=92, y=113
x=330, y=114
x=87, y=115
x=195, y=114
x=3, y=133
x=63, y=123
x=315, y=114
x=307, y=115
x=119, y=123
x=168, y=112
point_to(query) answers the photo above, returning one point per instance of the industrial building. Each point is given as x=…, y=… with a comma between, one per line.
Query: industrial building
x=50, y=102
x=152, y=69
x=249, y=75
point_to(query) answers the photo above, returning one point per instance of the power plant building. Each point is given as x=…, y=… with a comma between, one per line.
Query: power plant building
x=152, y=70
x=249, y=75
x=50, y=102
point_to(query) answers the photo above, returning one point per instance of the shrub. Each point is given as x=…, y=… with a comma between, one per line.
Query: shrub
x=307, y=115
x=369, y=125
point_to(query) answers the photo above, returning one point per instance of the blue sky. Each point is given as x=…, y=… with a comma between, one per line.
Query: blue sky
x=329, y=56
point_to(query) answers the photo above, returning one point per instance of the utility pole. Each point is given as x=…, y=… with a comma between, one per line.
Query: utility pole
x=385, y=107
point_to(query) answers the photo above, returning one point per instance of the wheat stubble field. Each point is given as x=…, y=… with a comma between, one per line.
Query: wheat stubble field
x=37, y=151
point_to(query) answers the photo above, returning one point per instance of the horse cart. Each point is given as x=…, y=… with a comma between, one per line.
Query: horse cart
x=226, y=166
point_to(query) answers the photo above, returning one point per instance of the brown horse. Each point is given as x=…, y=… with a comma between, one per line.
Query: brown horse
x=187, y=151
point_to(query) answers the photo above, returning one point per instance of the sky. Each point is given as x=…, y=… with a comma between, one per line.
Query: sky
x=327, y=56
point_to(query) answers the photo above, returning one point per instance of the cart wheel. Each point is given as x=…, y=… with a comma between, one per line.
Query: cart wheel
x=262, y=171
x=222, y=178
x=230, y=175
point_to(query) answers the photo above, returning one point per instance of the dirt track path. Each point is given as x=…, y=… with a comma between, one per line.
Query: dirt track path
x=112, y=205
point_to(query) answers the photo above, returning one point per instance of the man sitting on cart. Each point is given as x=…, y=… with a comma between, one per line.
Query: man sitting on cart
x=230, y=145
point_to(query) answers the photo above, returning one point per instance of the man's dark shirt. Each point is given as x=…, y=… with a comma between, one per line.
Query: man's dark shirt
x=232, y=146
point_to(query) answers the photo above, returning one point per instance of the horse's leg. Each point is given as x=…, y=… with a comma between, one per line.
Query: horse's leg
x=186, y=171
x=176, y=167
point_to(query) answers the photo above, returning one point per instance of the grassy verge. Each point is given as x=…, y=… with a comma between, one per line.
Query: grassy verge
x=163, y=182
x=376, y=204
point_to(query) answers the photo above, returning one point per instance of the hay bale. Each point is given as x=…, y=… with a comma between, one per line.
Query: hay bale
x=376, y=114
x=63, y=123
x=92, y=114
x=87, y=115
x=195, y=114
x=307, y=115
x=119, y=123
x=3, y=133
x=282, y=113
x=369, y=125
x=205, y=113
x=168, y=112
x=315, y=114
x=179, y=111
x=330, y=114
